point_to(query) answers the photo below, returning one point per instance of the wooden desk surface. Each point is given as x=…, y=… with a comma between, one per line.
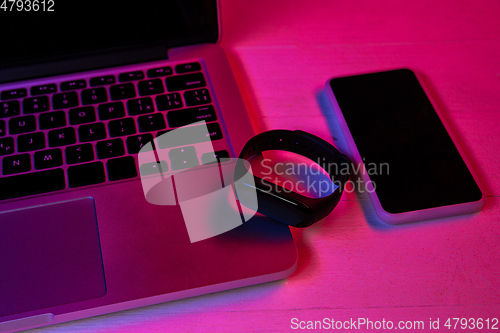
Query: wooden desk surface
x=351, y=265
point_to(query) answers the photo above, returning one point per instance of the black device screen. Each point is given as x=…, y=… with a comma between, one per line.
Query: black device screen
x=408, y=154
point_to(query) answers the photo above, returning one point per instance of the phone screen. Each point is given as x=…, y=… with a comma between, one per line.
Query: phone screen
x=408, y=154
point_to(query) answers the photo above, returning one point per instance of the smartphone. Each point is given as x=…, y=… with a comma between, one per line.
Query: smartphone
x=401, y=148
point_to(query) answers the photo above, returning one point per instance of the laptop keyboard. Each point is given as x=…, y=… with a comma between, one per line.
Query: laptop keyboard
x=89, y=130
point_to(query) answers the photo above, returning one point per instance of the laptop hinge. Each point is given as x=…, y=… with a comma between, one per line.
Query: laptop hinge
x=83, y=63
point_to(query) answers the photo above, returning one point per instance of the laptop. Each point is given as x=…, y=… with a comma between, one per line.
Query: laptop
x=84, y=89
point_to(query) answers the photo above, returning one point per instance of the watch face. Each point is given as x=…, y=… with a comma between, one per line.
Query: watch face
x=272, y=204
x=298, y=176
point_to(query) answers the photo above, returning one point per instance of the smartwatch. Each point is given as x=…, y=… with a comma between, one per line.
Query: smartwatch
x=282, y=204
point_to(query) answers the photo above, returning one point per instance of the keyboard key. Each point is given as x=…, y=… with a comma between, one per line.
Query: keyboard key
x=184, y=82
x=79, y=153
x=16, y=164
x=92, y=96
x=65, y=100
x=73, y=85
x=7, y=146
x=52, y=120
x=184, y=117
x=86, y=174
x=153, y=168
x=121, y=168
x=191, y=135
x=50, y=158
x=120, y=127
x=2, y=128
x=92, y=132
x=22, y=125
x=153, y=122
x=160, y=71
x=33, y=183
x=29, y=142
x=110, y=148
x=102, y=80
x=197, y=97
x=13, y=94
x=122, y=91
x=82, y=115
x=140, y=106
x=186, y=68
x=131, y=76
x=62, y=137
x=43, y=90
x=9, y=109
x=183, y=158
x=182, y=153
x=169, y=102
x=111, y=111
x=214, y=131
x=150, y=87
x=216, y=157
x=136, y=142
x=36, y=104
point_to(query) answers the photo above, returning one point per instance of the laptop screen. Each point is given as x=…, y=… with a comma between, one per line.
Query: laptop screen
x=64, y=28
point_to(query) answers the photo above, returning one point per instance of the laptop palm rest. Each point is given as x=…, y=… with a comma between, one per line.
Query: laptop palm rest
x=49, y=255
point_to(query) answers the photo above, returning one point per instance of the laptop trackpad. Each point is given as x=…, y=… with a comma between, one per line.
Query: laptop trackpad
x=49, y=255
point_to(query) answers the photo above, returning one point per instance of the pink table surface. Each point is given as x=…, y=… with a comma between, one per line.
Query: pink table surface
x=351, y=265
